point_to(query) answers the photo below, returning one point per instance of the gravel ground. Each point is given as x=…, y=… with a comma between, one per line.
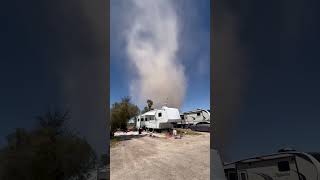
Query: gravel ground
x=151, y=158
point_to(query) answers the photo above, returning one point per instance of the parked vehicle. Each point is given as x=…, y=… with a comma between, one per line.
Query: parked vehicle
x=163, y=118
x=190, y=118
x=132, y=124
x=284, y=165
x=201, y=126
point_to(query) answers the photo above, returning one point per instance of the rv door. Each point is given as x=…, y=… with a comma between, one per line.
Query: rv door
x=243, y=175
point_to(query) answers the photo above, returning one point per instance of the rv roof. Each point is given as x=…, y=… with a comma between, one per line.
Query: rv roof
x=268, y=157
x=229, y=166
x=193, y=111
x=165, y=107
x=152, y=113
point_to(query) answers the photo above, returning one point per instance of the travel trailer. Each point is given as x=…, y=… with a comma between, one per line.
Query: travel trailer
x=163, y=118
x=194, y=117
x=132, y=123
x=132, y=120
x=284, y=165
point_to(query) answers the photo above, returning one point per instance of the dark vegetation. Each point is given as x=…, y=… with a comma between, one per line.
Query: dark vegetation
x=51, y=151
x=148, y=107
x=121, y=112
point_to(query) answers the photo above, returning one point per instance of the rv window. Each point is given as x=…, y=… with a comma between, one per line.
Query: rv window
x=316, y=155
x=159, y=114
x=232, y=176
x=283, y=166
x=198, y=114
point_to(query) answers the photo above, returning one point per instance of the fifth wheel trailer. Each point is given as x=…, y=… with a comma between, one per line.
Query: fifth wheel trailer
x=194, y=117
x=163, y=118
x=284, y=165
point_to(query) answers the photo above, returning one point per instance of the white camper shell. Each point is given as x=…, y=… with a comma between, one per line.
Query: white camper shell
x=291, y=165
x=132, y=120
x=195, y=116
x=159, y=118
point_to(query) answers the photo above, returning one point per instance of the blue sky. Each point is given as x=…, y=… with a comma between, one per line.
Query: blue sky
x=193, y=51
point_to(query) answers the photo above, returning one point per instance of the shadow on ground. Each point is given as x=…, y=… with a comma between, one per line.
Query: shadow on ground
x=128, y=137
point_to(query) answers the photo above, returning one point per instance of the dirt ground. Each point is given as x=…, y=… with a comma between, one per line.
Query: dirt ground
x=151, y=158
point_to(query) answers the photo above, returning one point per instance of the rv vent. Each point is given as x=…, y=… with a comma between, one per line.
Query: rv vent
x=286, y=150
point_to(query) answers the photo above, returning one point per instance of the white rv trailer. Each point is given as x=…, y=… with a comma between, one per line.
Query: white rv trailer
x=285, y=165
x=159, y=118
x=195, y=116
x=132, y=120
x=139, y=122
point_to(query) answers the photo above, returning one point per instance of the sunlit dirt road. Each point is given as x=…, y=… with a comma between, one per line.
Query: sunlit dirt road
x=150, y=158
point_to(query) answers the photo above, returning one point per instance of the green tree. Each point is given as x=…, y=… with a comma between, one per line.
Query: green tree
x=148, y=107
x=149, y=103
x=121, y=112
x=51, y=151
x=145, y=109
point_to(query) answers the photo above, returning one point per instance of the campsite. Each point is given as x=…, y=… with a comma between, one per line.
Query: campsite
x=141, y=156
x=158, y=142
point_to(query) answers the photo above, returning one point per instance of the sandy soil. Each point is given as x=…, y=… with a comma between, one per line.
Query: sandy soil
x=151, y=158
